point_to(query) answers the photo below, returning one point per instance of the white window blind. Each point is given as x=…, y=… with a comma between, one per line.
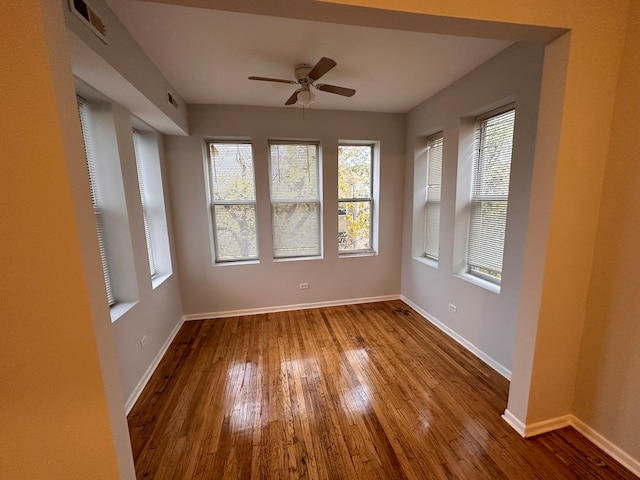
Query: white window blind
x=95, y=198
x=295, y=199
x=355, y=201
x=432, y=197
x=145, y=212
x=233, y=201
x=490, y=192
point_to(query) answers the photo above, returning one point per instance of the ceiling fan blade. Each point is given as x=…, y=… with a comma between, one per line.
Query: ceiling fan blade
x=323, y=66
x=345, y=92
x=293, y=98
x=278, y=80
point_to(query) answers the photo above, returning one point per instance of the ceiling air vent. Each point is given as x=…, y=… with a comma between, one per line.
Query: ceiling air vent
x=85, y=13
x=171, y=98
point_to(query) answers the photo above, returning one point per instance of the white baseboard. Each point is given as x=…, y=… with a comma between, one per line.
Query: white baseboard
x=592, y=435
x=514, y=421
x=498, y=367
x=133, y=398
x=609, y=447
x=286, y=308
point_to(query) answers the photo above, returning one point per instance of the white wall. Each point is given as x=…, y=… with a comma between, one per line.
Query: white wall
x=156, y=311
x=484, y=318
x=120, y=70
x=207, y=288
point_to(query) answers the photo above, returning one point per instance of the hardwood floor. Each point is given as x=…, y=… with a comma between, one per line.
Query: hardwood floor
x=369, y=391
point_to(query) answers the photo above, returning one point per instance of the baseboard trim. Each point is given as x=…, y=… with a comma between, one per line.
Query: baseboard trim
x=549, y=425
x=571, y=420
x=286, y=308
x=498, y=367
x=514, y=421
x=133, y=398
x=609, y=447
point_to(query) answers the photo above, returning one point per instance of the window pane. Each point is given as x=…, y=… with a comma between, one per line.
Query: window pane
x=491, y=173
x=354, y=171
x=296, y=229
x=235, y=227
x=143, y=200
x=488, y=220
x=354, y=183
x=95, y=198
x=232, y=171
x=354, y=226
x=432, y=204
x=490, y=191
x=294, y=172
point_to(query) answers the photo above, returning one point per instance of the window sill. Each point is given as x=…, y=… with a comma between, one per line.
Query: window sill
x=119, y=309
x=357, y=254
x=296, y=259
x=239, y=262
x=159, y=280
x=467, y=277
x=427, y=261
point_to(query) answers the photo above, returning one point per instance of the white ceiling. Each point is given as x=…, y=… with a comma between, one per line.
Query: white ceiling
x=207, y=55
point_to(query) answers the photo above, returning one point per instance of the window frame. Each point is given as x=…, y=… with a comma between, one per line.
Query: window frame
x=478, y=200
x=153, y=269
x=213, y=202
x=95, y=198
x=369, y=200
x=290, y=201
x=434, y=140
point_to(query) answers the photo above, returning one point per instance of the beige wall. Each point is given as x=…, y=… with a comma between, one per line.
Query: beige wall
x=62, y=414
x=207, y=288
x=608, y=386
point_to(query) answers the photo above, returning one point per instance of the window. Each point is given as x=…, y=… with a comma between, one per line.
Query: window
x=490, y=193
x=146, y=142
x=432, y=197
x=143, y=198
x=233, y=201
x=355, y=200
x=95, y=198
x=295, y=199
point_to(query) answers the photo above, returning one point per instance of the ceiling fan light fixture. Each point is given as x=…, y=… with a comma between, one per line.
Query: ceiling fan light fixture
x=306, y=97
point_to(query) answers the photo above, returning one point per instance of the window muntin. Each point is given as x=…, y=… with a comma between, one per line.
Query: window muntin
x=95, y=199
x=143, y=199
x=490, y=193
x=295, y=199
x=432, y=197
x=233, y=201
x=355, y=199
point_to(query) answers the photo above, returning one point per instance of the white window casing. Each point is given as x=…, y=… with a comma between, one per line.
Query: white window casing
x=355, y=198
x=295, y=199
x=490, y=193
x=95, y=199
x=433, y=197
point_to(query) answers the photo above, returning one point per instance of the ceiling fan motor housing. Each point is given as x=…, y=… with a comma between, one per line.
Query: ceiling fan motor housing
x=302, y=71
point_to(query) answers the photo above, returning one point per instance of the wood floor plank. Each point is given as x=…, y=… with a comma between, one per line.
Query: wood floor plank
x=370, y=391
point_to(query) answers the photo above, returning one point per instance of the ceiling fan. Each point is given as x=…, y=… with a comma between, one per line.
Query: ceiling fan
x=306, y=75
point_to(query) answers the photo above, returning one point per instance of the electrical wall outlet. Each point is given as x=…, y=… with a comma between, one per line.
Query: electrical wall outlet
x=453, y=308
x=304, y=286
x=143, y=341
